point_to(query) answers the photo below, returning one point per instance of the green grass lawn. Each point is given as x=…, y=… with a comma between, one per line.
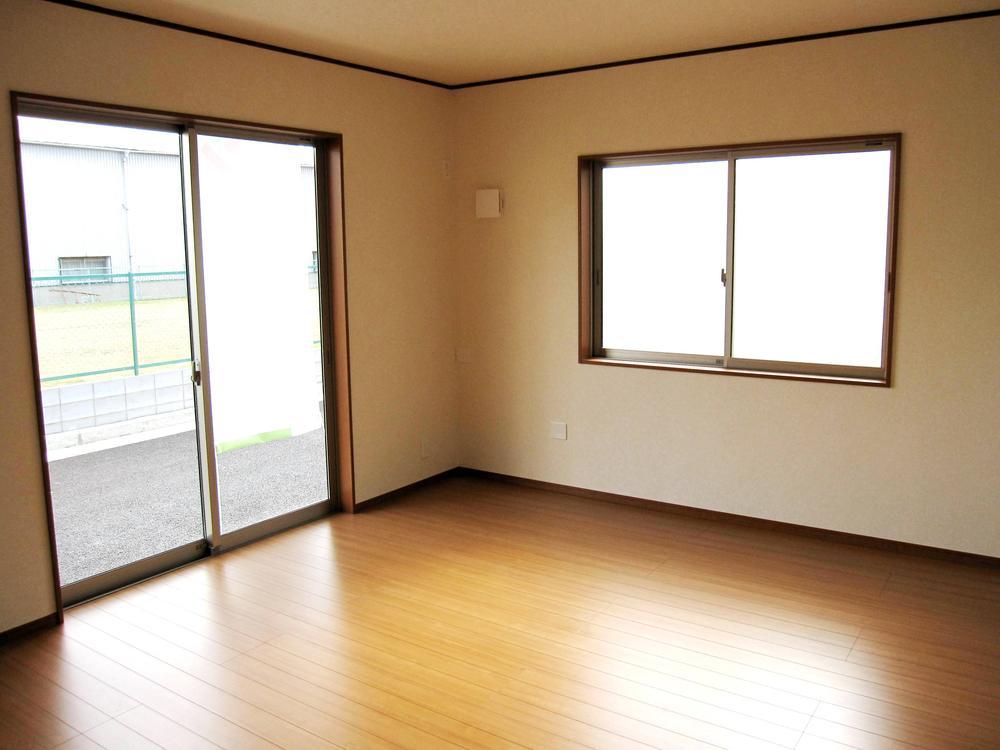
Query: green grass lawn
x=97, y=336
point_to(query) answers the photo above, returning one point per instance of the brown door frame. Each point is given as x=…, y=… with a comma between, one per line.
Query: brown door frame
x=331, y=235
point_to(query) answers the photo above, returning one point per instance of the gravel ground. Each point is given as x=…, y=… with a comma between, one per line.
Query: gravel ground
x=116, y=506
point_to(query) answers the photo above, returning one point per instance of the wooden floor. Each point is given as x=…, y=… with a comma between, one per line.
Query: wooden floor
x=473, y=614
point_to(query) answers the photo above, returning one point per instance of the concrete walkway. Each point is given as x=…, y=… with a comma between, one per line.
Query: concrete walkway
x=116, y=506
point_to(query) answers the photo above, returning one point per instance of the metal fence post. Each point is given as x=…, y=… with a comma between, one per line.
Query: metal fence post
x=131, y=312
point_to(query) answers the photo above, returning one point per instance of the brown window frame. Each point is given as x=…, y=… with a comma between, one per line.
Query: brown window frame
x=591, y=350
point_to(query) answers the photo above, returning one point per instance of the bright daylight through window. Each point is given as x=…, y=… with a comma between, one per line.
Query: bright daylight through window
x=772, y=260
x=175, y=280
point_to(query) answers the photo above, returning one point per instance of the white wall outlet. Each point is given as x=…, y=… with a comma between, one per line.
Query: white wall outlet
x=463, y=355
x=557, y=430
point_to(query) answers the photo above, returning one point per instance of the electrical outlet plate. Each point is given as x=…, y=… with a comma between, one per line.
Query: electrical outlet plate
x=557, y=430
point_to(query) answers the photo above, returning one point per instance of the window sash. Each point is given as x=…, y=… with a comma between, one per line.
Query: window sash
x=592, y=234
x=79, y=268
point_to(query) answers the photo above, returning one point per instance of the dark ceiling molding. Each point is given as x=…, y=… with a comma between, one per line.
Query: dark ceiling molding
x=527, y=76
x=734, y=48
x=240, y=40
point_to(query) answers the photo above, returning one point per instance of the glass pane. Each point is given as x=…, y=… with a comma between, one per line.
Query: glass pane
x=809, y=281
x=664, y=248
x=259, y=239
x=104, y=216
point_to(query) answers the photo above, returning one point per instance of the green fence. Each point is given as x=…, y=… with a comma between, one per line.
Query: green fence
x=92, y=323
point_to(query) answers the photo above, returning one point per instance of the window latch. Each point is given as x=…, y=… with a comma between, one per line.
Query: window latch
x=722, y=276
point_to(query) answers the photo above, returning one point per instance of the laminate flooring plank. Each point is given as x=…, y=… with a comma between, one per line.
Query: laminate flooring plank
x=116, y=736
x=101, y=695
x=42, y=692
x=21, y=717
x=278, y=718
x=158, y=728
x=144, y=689
x=473, y=614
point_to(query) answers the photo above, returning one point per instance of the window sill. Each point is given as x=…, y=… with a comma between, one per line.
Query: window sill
x=774, y=375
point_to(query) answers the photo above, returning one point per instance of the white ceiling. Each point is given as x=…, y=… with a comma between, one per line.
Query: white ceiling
x=458, y=41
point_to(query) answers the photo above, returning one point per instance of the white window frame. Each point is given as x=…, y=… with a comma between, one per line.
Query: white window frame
x=84, y=270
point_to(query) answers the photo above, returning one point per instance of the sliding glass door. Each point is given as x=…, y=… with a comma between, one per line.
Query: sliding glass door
x=176, y=282
x=260, y=284
x=108, y=275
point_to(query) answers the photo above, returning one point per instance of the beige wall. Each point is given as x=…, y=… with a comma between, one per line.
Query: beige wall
x=919, y=462
x=396, y=136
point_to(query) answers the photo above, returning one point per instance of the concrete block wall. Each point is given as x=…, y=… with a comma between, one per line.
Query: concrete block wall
x=83, y=405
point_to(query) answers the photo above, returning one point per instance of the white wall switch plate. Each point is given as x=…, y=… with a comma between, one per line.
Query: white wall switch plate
x=557, y=430
x=488, y=203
